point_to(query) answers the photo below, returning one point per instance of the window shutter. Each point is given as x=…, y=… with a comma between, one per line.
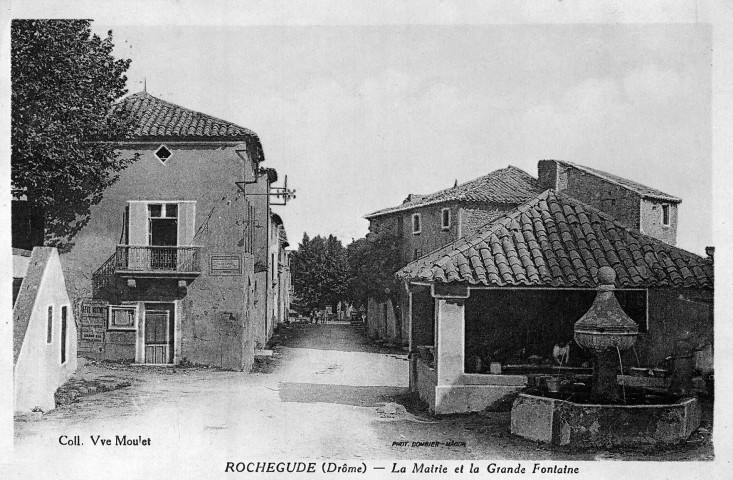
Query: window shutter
x=138, y=223
x=186, y=222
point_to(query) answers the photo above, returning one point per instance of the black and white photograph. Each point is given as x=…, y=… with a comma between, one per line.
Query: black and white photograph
x=365, y=239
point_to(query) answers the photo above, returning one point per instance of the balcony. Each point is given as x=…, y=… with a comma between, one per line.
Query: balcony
x=152, y=261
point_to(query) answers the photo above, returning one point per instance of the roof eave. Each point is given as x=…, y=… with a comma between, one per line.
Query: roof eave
x=669, y=198
x=607, y=177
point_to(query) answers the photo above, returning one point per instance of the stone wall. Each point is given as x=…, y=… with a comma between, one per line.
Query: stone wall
x=619, y=202
x=381, y=321
x=562, y=422
x=651, y=220
x=432, y=235
x=671, y=312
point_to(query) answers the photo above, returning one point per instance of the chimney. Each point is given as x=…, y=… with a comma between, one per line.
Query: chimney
x=710, y=252
x=547, y=174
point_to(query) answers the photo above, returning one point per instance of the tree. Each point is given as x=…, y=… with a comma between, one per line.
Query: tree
x=65, y=83
x=320, y=271
x=373, y=262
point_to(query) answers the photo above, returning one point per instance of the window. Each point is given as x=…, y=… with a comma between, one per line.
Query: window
x=665, y=215
x=273, y=266
x=157, y=235
x=64, y=313
x=416, y=223
x=49, y=327
x=163, y=231
x=445, y=218
x=121, y=318
x=155, y=211
x=163, y=154
x=163, y=210
x=417, y=253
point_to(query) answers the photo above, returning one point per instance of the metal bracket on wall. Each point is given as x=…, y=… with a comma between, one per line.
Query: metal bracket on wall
x=283, y=192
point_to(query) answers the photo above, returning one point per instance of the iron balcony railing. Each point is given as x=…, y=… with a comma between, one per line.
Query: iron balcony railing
x=152, y=259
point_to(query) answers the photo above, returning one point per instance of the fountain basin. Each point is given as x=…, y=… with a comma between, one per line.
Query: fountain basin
x=562, y=422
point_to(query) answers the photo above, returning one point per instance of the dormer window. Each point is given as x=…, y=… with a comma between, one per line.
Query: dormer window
x=665, y=215
x=416, y=223
x=163, y=154
x=445, y=219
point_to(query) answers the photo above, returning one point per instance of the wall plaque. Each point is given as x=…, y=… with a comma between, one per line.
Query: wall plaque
x=93, y=320
x=225, y=264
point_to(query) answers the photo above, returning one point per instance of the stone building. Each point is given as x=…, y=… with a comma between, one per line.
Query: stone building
x=481, y=308
x=280, y=273
x=175, y=255
x=424, y=223
x=646, y=209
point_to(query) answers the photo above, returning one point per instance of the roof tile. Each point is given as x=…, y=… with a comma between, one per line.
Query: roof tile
x=509, y=185
x=551, y=249
x=158, y=120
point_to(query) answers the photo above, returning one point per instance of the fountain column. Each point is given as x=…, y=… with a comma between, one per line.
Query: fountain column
x=606, y=330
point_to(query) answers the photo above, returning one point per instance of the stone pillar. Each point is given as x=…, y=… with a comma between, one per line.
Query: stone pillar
x=449, y=314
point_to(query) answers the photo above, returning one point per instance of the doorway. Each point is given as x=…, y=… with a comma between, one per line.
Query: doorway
x=159, y=333
x=163, y=232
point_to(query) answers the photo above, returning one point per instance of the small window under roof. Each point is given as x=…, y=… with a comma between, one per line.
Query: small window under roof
x=163, y=153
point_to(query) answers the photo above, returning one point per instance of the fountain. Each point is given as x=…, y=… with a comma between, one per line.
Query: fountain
x=603, y=417
x=605, y=330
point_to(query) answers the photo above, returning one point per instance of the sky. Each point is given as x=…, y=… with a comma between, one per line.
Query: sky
x=358, y=117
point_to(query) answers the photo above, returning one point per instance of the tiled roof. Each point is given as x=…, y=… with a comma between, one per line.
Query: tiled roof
x=642, y=190
x=507, y=185
x=557, y=241
x=157, y=120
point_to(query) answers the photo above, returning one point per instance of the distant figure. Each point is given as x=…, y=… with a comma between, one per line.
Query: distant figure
x=561, y=353
x=474, y=365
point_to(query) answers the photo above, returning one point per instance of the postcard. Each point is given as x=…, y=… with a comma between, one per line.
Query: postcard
x=365, y=239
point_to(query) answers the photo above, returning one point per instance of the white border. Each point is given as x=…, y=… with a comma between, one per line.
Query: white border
x=425, y=12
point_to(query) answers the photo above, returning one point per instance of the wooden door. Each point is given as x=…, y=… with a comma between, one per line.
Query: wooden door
x=158, y=340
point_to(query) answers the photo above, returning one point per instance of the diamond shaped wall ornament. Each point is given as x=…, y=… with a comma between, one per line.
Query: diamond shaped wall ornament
x=163, y=153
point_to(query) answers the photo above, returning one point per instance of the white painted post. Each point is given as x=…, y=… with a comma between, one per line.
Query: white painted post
x=450, y=339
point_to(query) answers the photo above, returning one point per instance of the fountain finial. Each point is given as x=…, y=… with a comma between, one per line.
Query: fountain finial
x=606, y=276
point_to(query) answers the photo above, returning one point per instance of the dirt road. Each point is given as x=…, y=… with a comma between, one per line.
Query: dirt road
x=322, y=396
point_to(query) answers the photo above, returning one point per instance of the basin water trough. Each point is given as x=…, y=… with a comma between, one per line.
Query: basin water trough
x=605, y=416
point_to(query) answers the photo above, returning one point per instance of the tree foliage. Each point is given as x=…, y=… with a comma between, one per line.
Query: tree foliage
x=324, y=272
x=320, y=272
x=65, y=82
x=373, y=262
